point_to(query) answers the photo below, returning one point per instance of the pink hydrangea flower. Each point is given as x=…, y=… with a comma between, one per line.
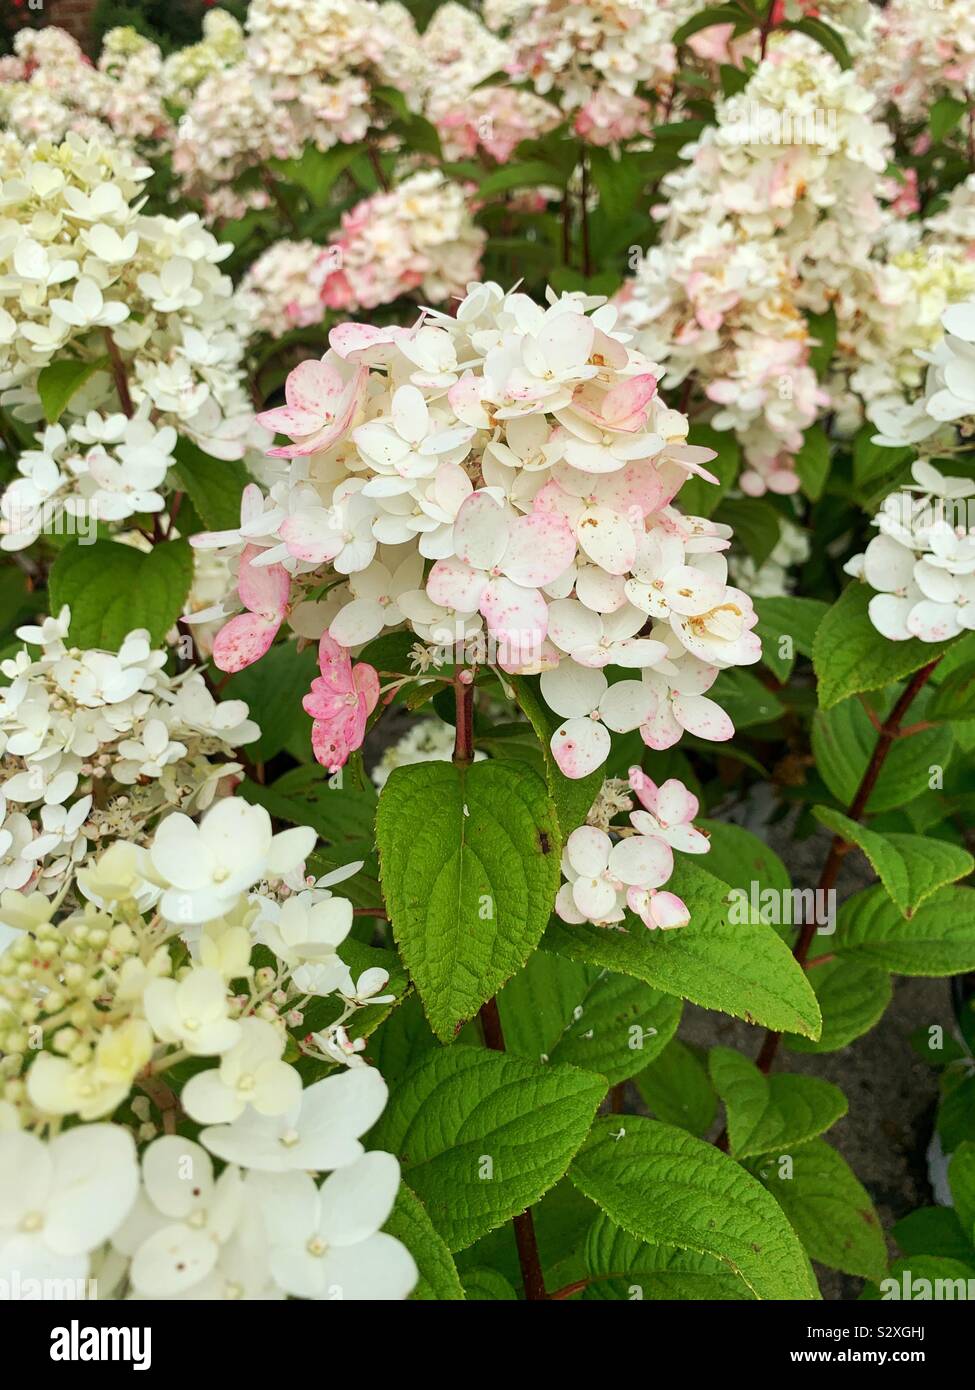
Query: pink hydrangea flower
x=322, y=398
x=264, y=591
x=340, y=702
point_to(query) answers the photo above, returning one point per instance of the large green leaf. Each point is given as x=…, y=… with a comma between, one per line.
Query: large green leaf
x=58, y=382
x=272, y=688
x=560, y=1011
x=481, y=1135
x=665, y=1187
x=623, y=1267
x=812, y=462
x=743, y=969
x=214, y=486
x=961, y=1178
x=843, y=741
x=911, y=867
x=787, y=627
x=739, y=858
x=830, y=1211
x=470, y=868
x=410, y=1223
x=852, y=996
x=938, y=940
x=850, y=655
x=677, y=1088
x=113, y=589
x=771, y=1113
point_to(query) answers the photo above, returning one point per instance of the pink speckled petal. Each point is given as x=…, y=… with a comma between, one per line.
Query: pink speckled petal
x=703, y=718
x=264, y=589
x=514, y=614
x=540, y=548
x=243, y=641
x=579, y=746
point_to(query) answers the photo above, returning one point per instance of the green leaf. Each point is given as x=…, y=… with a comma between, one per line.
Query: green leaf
x=619, y=182
x=315, y=171
x=843, y=741
x=794, y=619
x=830, y=1212
x=769, y=1114
x=572, y=796
x=113, y=589
x=481, y=1135
x=933, y=1231
x=822, y=328
x=743, y=969
x=911, y=867
x=923, y=1277
x=745, y=699
x=272, y=688
x=852, y=996
x=812, y=462
x=961, y=1180
x=945, y=115
x=404, y=1037
x=487, y=1286
x=558, y=1011
x=850, y=655
x=470, y=868
x=529, y=175
x=699, y=497
x=873, y=462
x=755, y=523
x=214, y=486
x=665, y=1187
x=823, y=34
x=938, y=940
x=714, y=14
x=677, y=1088
x=623, y=1267
x=739, y=858
x=343, y=816
x=58, y=382
x=409, y=1223
x=954, y=697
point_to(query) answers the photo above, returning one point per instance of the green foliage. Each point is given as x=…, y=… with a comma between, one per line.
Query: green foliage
x=463, y=1108
x=709, y=1204
x=113, y=589
x=470, y=867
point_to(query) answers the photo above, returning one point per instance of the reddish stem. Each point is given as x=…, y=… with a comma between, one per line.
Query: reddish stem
x=889, y=731
x=528, y=1257
x=118, y=374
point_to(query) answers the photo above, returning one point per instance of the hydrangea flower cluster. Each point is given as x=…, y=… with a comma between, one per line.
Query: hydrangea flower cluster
x=593, y=56
x=778, y=212
x=305, y=76
x=107, y=468
x=922, y=563
x=49, y=87
x=526, y=454
x=139, y=300
x=152, y=967
x=605, y=877
x=471, y=113
x=97, y=744
x=915, y=54
x=221, y=46
x=417, y=238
